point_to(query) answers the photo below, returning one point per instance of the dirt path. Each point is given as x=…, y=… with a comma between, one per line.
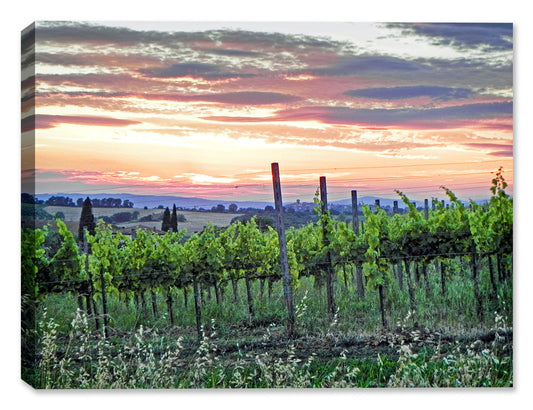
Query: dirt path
x=356, y=347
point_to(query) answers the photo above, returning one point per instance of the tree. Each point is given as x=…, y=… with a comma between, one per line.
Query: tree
x=174, y=219
x=165, y=226
x=27, y=199
x=233, y=208
x=59, y=201
x=86, y=219
x=33, y=263
x=121, y=217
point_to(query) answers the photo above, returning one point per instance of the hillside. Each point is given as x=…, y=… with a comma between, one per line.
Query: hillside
x=195, y=221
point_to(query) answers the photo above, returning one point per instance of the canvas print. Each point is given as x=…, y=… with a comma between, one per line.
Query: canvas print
x=266, y=205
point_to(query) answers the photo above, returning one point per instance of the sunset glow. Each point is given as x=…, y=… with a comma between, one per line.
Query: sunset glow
x=202, y=110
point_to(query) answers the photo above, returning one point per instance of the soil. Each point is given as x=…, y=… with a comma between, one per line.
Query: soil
x=331, y=346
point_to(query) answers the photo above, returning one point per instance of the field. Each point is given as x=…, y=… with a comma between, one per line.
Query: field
x=420, y=299
x=195, y=221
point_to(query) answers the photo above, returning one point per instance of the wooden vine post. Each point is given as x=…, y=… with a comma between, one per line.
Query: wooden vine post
x=329, y=270
x=395, y=209
x=104, y=303
x=197, y=309
x=91, y=305
x=287, y=287
x=475, y=278
x=358, y=266
x=377, y=207
x=355, y=216
x=170, y=309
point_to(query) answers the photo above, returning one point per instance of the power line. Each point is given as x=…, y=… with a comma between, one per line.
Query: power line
x=310, y=183
x=372, y=167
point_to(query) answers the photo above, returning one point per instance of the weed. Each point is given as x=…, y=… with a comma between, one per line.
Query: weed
x=148, y=360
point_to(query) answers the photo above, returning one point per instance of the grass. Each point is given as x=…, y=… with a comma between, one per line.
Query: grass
x=148, y=359
x=442, y=344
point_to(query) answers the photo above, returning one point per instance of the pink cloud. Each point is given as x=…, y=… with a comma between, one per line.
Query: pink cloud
x=50, y=121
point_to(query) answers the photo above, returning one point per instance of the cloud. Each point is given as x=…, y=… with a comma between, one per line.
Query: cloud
x=398, y=93
x=28, y=84
x=173, y=80
x=487, y=36
x=497, y=150
x=108, y=83
x=237, y=98
x=41, y=121
x=100, y=177
x=245, y=97
x=506, y=153
x=182, y=70
x=27, y=49
x=163, y=56
x=94, y=58
x=195, y=70
x=77, y=32
x=230, y=52
x=181, y=46
x=446, y=117
x=489, y=146
x=100, y=181
x=91, y=32
x=468, y=73
x=355, y=65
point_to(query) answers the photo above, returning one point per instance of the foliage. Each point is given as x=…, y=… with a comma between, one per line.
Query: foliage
x=375, y=268
x=33, y=262
x=169, y=265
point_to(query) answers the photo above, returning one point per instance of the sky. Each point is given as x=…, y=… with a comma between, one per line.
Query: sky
x=202, y=109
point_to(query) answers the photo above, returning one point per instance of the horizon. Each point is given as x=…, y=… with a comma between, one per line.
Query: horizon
x=202, y=109
x=165, y=198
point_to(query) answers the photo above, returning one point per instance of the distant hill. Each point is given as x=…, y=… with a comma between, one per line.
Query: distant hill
x=153, y=201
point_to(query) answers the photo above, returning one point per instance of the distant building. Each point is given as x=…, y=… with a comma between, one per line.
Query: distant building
x=300, y=206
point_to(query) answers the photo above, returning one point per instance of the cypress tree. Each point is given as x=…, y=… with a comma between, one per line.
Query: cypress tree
x=174, y=219
x=165, y=226
x=86, y=219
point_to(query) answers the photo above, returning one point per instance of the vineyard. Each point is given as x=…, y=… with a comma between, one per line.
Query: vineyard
x=408, y=298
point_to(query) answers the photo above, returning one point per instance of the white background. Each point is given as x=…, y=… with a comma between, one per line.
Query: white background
x=16, y=16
